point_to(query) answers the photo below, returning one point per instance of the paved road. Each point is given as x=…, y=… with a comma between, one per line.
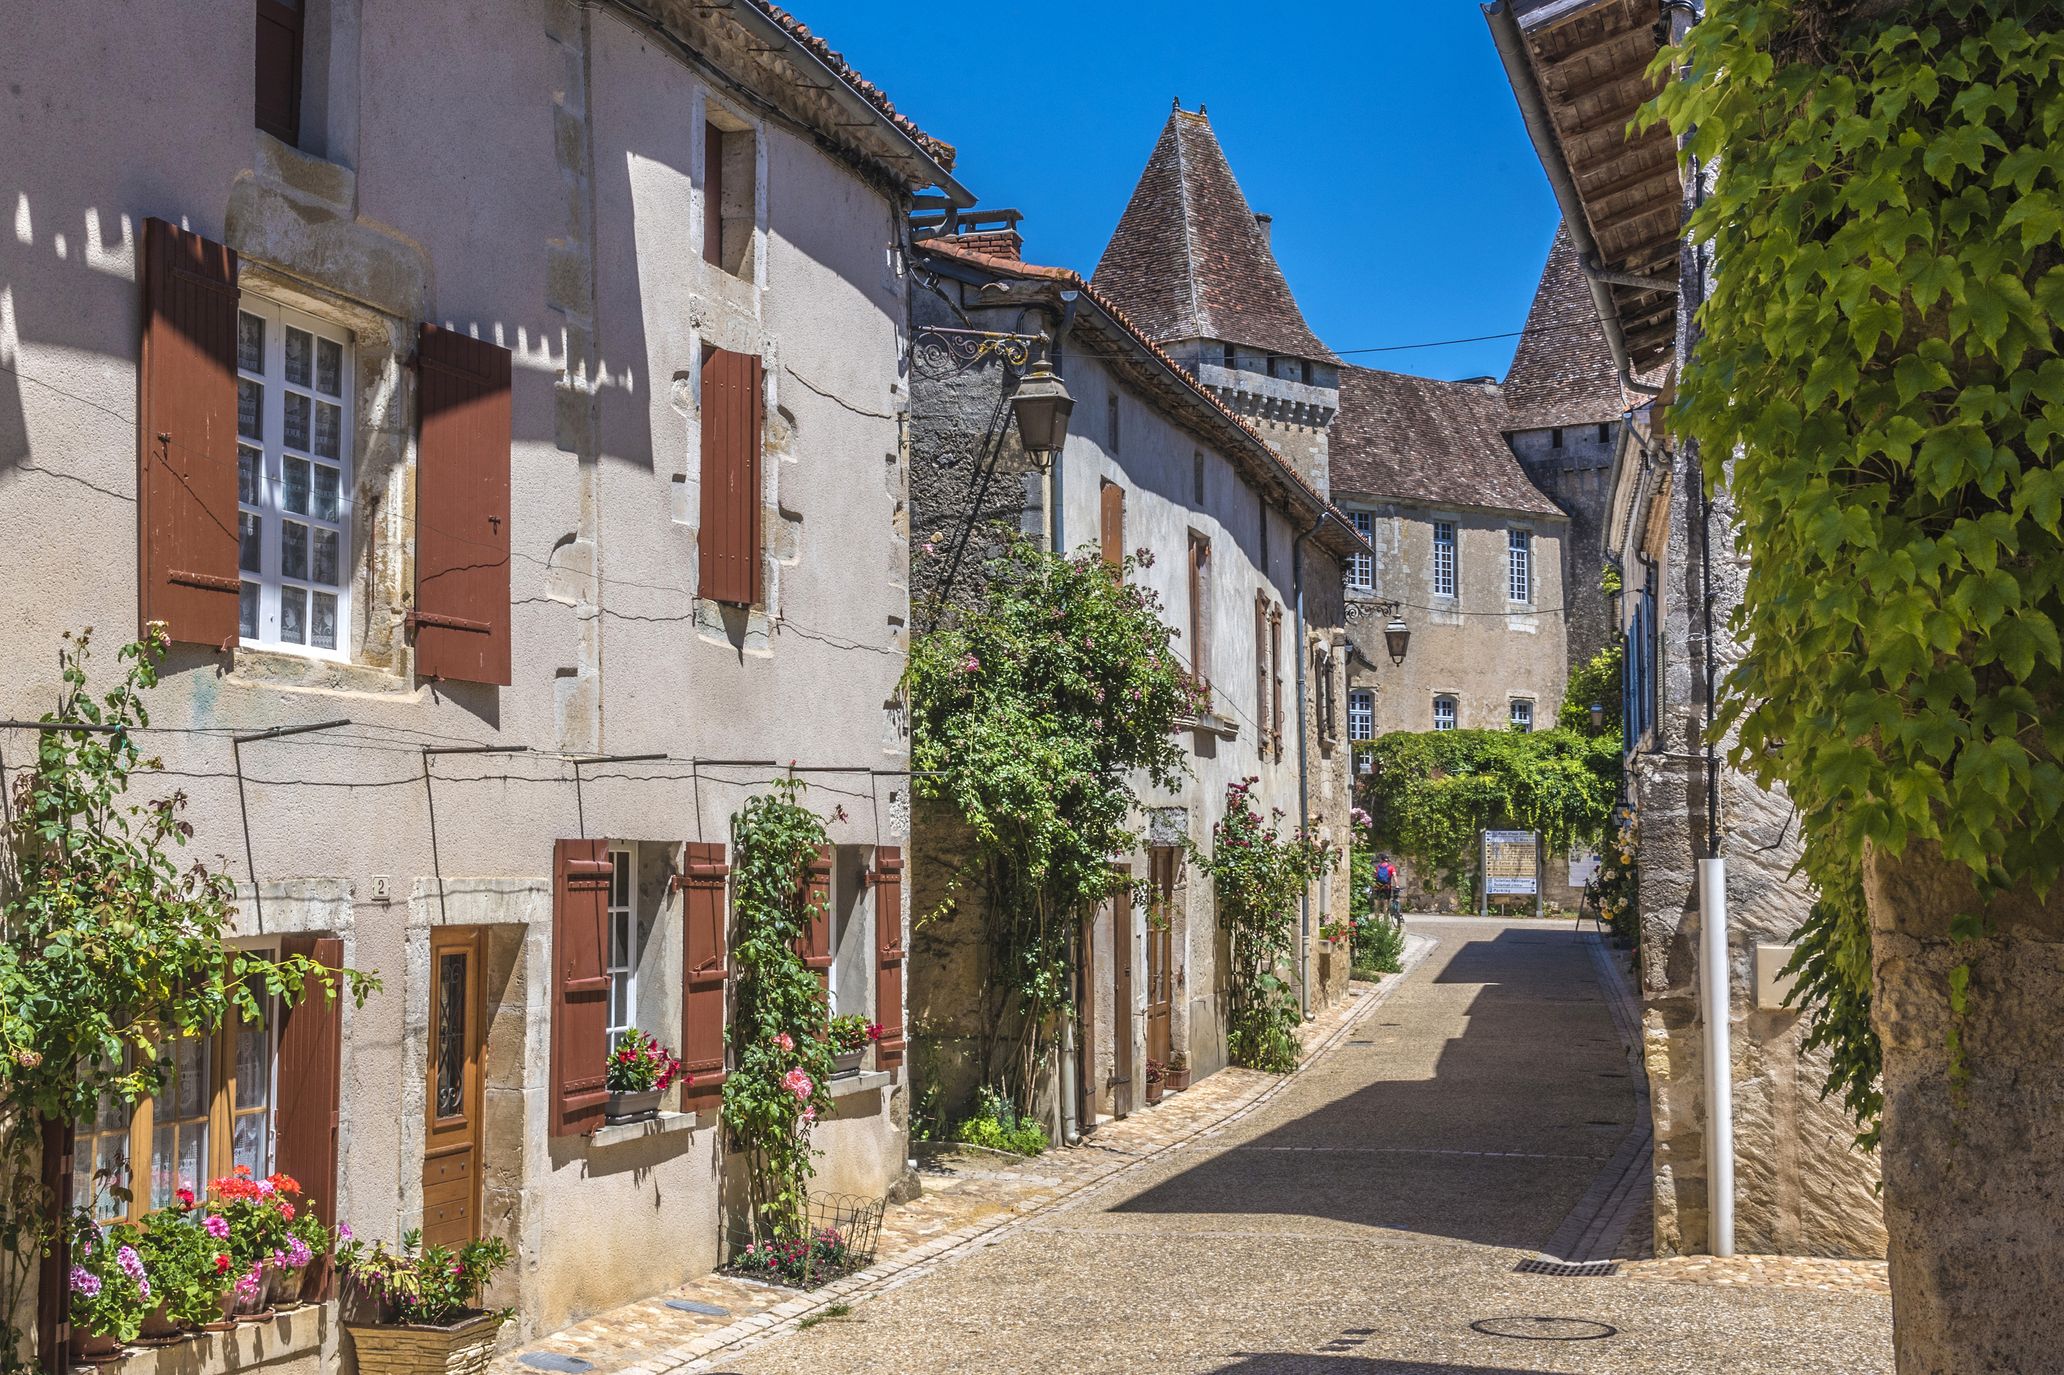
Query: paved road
x=1360, y=1221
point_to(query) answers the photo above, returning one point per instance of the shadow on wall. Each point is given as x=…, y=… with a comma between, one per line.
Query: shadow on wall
x=1496, y=1142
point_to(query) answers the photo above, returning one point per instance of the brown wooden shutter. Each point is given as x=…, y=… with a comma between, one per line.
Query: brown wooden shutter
x=1200, y=659
x=1261, y=675
x=1275, y=659
x=887, y=880
x=186, y=413
x=712, y=194
x=814, y=945
x=461, y=615
x=580, y=985
x=279, y=69
x=728, y=545
x=53, y=1292
x=1111, y=534
x=311, y=1050
x=703, y=974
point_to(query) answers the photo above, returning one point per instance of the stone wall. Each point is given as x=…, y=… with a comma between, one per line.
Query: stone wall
x=1801, y=1186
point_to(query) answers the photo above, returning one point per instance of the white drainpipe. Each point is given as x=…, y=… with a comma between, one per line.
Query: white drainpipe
x=1713, y=983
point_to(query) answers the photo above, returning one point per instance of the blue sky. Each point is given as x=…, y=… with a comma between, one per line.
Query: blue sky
x=1381, y=135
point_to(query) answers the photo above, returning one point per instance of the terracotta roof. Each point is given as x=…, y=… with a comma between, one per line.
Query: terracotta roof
x=942, y=152
x=1187, y=259
x=1428, y=442
x=1562, y=372
x=1242, y=441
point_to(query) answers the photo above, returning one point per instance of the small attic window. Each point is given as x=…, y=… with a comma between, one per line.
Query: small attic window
x=1304, y=371
x=1555, y=438
x=1231, y=357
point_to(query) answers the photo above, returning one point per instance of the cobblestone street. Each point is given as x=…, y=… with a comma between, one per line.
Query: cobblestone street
x=1357, y=1217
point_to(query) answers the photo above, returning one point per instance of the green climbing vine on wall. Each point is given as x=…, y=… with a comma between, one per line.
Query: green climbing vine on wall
x=1885, y=220
x=1257, y=876
x=1031, y=712
x=779, y=1084
x=110, y=946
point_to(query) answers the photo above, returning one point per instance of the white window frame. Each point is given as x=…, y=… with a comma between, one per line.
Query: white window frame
x=264, y=498
x=1361, y=714
x=1447, y=562
x=1521, y=714
x=1361, y=568
x=1451, y=717
x=620, y=958
x=1519, y=564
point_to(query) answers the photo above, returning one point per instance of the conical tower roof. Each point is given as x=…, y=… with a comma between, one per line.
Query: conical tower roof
x=1188, y=260
x=1562, y=373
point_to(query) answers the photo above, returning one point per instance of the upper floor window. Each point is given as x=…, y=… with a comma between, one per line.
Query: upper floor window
x=293, y=479
x=1604, y=431
x=1200, y=609
x=1443, y=558
x=1443, y=713
x=1230, y=357
x=1361, y=714
x=1522, y=715
x=1519, y=565
x=1361, y=568
x=1555, y=438
x=278, y=68
x=730, y=205
x=1111, y=419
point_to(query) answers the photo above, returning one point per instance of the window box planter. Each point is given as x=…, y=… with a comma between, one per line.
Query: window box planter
x=286, y=1285
x=847, y=1062
x=462, y=1347
x=631, y=1107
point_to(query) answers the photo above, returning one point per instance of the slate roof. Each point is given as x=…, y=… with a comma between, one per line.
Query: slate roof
x=1187, y=260
x=1427, y=442
x=1562, y=372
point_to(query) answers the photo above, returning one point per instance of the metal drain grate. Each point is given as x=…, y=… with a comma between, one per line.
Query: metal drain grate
x=1568, y=1269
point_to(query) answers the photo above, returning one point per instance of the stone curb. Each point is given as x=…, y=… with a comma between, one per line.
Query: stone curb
x=900, y=1269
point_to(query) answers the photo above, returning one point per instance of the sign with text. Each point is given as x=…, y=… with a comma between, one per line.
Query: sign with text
x=1511, y=863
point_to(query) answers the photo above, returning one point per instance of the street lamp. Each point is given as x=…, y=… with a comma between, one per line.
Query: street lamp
x=1597, y=716
x=1041, y=405
x=1397, y=637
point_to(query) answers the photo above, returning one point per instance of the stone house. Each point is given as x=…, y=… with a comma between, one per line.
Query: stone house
x=518, y=468
x=1153, y=460
x=1579, y=72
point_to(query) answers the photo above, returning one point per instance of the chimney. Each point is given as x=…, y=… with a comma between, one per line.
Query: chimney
x=1262, y=223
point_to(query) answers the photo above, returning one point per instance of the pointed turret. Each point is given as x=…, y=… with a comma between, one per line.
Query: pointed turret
x=1191, y=263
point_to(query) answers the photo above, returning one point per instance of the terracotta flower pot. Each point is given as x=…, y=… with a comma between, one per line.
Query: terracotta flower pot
x=1175, y=1080
x=285, y=1285
x=1154, y=1089
x=462, y=1347
x=94, y=1349
x=624, y=1106
x=159, y=1329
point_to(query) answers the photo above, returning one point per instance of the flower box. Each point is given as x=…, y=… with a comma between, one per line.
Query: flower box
x=627, y=1106
x=462, y=1347
x=1175, y=1080
x=1154, y=1088
x=847, y=1062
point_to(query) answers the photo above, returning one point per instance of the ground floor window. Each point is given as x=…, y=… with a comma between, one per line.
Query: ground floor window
x=213, y=1114
x=1522, y=715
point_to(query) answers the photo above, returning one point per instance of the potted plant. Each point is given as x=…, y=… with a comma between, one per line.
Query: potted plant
x=415, y=1309
x=639, y=1071
x=250, y=1216
x=1156, y=1076
x=111, y=1289
x=188, y=1268
x=1176, y=1076
x=850, y=1036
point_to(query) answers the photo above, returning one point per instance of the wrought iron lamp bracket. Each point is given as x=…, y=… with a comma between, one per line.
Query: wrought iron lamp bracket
x=939, y=351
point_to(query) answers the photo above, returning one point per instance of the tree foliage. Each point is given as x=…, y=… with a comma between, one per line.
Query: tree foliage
x=110, y=946
x=1031, y=713
x=1597, y=679
x=1877, y=382
x=1431, y=794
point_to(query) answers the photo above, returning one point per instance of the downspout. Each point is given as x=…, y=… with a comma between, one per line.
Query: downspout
x=1051, y=478
x=1051, y=493
x=1303, y=770
x=1520, y=72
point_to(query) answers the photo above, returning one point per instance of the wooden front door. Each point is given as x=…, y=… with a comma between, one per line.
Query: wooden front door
x=1124, y=1013
x=451, y=1147
x=1160, y=950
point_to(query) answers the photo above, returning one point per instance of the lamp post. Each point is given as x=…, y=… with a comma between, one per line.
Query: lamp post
x=1597, y=716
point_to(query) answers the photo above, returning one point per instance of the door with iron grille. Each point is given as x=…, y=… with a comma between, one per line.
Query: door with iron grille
x=451, y=1146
